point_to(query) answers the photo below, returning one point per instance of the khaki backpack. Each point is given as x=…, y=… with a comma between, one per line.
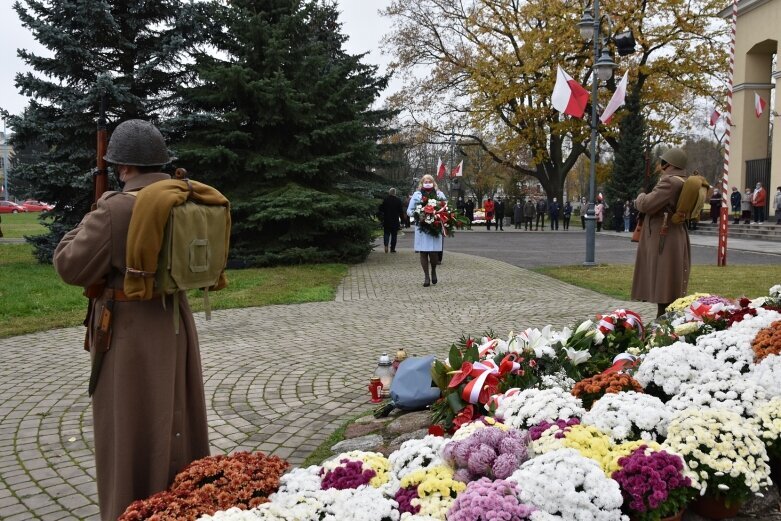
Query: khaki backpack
x=692, y=198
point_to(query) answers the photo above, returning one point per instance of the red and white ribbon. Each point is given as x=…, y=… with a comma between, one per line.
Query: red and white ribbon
x=496, y=400
x=622, y=363
x=480, y=372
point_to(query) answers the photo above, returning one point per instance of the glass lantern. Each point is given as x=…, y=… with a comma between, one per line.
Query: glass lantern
x=384, y=370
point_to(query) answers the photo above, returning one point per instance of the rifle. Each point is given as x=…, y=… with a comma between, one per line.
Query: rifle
x=100, y=186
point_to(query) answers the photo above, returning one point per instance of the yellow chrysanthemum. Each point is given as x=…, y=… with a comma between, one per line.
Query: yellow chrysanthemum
x=373, y=460
x=684, y=302
x=625, y=449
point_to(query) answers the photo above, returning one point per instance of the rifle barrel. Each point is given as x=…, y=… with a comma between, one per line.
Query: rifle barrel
x=101, y=173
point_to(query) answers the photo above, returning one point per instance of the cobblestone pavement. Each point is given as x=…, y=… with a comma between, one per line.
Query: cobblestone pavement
x=278, y=379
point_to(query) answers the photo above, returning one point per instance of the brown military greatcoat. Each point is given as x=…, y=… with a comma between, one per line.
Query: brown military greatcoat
x=662, y=277
x=148, y=408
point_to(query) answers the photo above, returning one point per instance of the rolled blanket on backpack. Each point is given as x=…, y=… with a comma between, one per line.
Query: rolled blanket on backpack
x=147, y=226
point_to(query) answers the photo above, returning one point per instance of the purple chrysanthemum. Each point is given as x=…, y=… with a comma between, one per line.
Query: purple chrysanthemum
x=536, y=432
x=404, y=497
x=488, y=452
x=350, y=475
x=485, y=500
x=647, y=480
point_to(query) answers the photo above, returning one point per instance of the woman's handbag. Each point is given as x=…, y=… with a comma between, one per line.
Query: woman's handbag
x=638, y=228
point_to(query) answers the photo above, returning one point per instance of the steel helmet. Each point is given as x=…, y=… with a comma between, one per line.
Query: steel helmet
x=138, y=143
x=676, y=157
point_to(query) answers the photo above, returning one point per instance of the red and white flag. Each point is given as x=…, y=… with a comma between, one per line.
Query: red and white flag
x=569, y=96
x=618, y=99
x=458, y=171
x=759, y=105
x=440, y=169
x=714, y=117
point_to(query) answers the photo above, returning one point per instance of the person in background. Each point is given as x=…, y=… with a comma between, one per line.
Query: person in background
x=518, y=214
x=734, y=200
x=599, y=212
x=427, y=245
x=663, y=261
x=554, y=214
x=528, y=214
x=542, y=208
x=566, y=214
x=777, y=205
x=392, y=214
x=499, y=209
x=489, y=212
x=715, y=205
x=745, y=206
x=469, y=208
x=627, y=215
x=758, y=200
x=583, y=211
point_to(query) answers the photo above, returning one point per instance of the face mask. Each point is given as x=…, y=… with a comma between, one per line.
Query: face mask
x=554, y=199
x=120, y=182
x=428, y=186
x=759, y=186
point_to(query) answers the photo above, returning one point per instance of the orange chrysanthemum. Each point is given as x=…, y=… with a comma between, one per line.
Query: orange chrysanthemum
x=767, y=342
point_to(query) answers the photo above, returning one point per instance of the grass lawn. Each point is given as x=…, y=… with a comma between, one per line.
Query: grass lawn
x=18, y=225
x=34, y=298
x=616, y=279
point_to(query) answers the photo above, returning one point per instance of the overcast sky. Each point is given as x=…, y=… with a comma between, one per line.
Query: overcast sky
x=362, y=23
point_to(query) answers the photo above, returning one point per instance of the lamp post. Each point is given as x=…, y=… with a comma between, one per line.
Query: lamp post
x=591, y=29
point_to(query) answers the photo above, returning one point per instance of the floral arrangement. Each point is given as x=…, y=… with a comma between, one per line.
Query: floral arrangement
x=589, y=441
x=724, y=453
x=729, y=348
x=355, y=468
x=417, y=454
x=767, y=374
x=361, y=504
x=532, y=406
x=628, y=416
x=490, y=452
x=434, y=488
x=241, y=480
x=470, y=428
x=486, y=500
x=589, y=390
x=653, y=484
x=768, y=341
x=563, y=426
x=432, y=216
x=768, y=417
x=721, y=389
x=565, y=484
x=665, y=369
x=625, y=449
x=684, y=303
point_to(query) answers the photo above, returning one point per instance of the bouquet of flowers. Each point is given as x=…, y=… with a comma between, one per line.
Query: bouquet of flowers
x=683, y=303
x=724, y=453
x=729, y=348
x=665, y=369
x=772, y=301
x=417, y=454
x=768, y=416
x=767, y=374
x=430, y=492
x=630, y=416
x=532, y=406
x=722, y=389
x=592, y=389
x=565, y=484
x=355, y=468
x=767, y=342
x=490, y=452
x=433, y=216
x=486, y=500
x=361, y=504
x=653, y=484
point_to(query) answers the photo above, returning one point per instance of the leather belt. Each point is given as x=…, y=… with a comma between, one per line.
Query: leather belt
x=117, y=295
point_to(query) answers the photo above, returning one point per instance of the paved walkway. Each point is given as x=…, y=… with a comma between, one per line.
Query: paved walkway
x=278, y=379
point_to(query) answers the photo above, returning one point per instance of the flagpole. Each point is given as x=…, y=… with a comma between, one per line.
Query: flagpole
x=591, y=219
x=721, y=251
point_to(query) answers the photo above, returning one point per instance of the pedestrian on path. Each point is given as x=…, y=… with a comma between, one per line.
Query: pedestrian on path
x=528, y=214
x=392, y=214
x=517, y=214
x=735, y=199
x=758, y=201
x=663, y=260
x=745, y=206
x=567, y=214
x=599, y=212
x=499, y=209
x=627, y=215
x=148, y=408
x=489, y=213
x=542, y=208
x=470, y=213
x=583, y=211
x=428, y=246
x=554, y=214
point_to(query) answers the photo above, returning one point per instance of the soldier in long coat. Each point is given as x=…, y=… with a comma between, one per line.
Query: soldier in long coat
x=662, y=270
x=148, y=407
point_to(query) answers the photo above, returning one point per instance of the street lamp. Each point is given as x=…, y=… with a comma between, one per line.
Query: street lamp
x=590, y=27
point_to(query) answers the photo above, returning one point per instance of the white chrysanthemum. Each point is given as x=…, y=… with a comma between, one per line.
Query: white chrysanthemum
x=768, y=418
x=532, y=406
x=715, y=442
x=671, y=366
x=767, y=374
x=300, y=480
x=558, y=379
x=232, y=514
x=417, y=454
x=722, y=389
x=731, y=349
x=566, y=485
x=361, y=504
x=629, y=416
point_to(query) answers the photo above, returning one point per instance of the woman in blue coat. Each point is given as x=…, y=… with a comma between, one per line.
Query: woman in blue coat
x=427, y=245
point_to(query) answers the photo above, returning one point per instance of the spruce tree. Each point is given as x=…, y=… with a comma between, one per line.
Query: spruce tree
x=130, y=51
x=281, y=121
x=628, y=177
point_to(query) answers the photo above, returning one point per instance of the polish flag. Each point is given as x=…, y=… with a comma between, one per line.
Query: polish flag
x=569, y=96
x=458, y=171
x=714, y=117
x=618, y=99
x=440, y=169
x=759, y=105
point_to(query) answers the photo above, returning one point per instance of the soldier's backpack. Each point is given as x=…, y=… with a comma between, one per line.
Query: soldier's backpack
x=187, y=246
x=692, y=198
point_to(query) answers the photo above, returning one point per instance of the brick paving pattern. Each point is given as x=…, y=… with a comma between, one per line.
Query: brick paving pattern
x=279, y=379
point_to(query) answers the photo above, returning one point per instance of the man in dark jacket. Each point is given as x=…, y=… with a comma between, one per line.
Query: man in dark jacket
x=517, y=214
x=469, y=208
x=499, y=209
x=542, y=207
x=392, y=214
x=734, y=199
x=554, y=214
x=567, y=214
x=528, y=214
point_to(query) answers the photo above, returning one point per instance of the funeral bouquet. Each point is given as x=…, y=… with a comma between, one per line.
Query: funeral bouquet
x=664, y=369
x=491, y=452
x=432, y=216
x=627, y=416
x=724, y=453
x=720, y=389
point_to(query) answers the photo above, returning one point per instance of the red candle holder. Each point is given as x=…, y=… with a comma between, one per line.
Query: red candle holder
x=375, y=388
